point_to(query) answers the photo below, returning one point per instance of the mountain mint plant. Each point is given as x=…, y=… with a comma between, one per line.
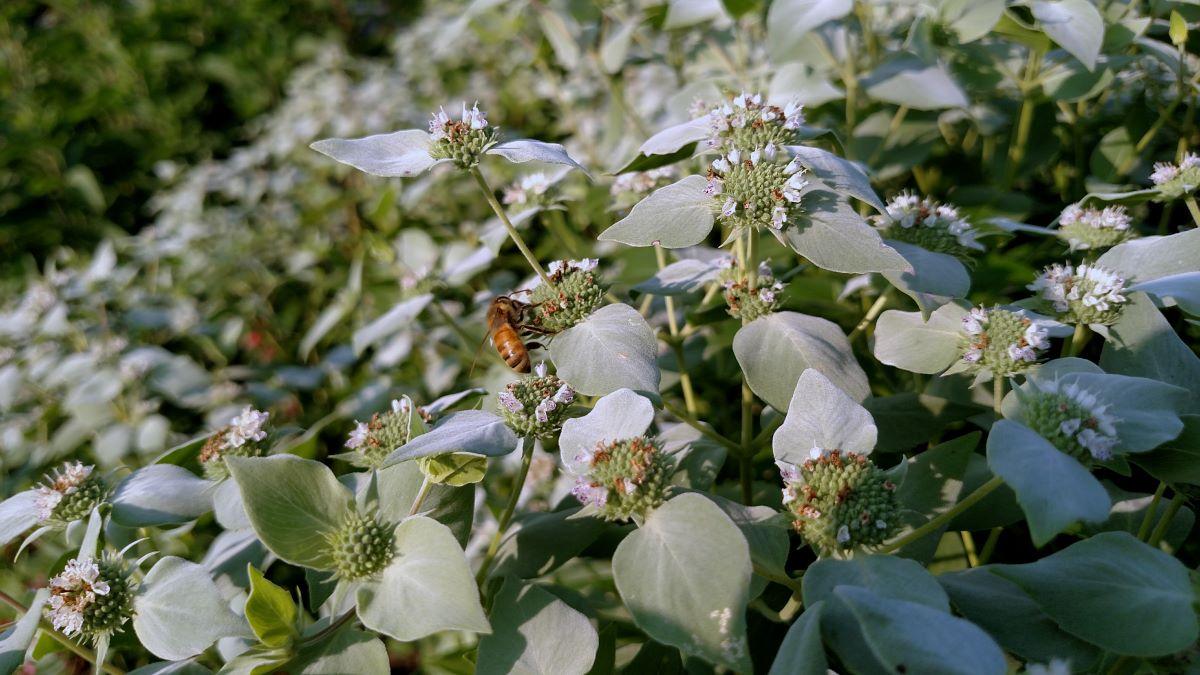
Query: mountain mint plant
x=774, y=424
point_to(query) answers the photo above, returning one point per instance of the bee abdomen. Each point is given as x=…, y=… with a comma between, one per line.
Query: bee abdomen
x=511, y=349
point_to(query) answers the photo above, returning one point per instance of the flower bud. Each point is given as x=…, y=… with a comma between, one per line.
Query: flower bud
x=1085, y=294
x=754, y=194
x=746, y=303
x=69, y=493
x=244, y=436
x=929, y=224
x=1001, y=342
x=1176, y=180
x=840, y=501
x=574, y=293
x=361, y=546
x=623, y=478
x=1073, y=420
x=463, y=141
x=91, y=598
x=536, y=405
x=744, y=122
x=372, y=441
x=1091, y=228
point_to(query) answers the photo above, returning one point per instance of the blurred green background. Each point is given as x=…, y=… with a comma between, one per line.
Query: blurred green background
x=99, y=99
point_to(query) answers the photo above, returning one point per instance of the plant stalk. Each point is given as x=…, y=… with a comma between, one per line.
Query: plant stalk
x=1193, y=208
x=1160, y=530
x=942, y=519
x=1148, y=519
x=512, y=231
x=685, y=379
x=873, y=312
x=506, y=516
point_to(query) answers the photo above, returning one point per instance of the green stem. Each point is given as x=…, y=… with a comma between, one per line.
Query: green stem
x=1079, y=340
x=997, y=395
x=685, y=379
x=873, y=312
x=331, y=628
x=945, y=517
x=781, y=579
x=746, y=465
x=1148, y=519
x=701, y=427
x=45, y=626
x=1016, y=150
x=1193, y=209
x=512, y=231
x=751, y=259
x=989, y=546
x=1160, y=530
x=426, y=484
x=968, y=543
x=506, y=516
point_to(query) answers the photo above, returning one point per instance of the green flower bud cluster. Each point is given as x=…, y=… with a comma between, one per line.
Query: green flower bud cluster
x=371, y=442
x=623, y=479
x=929, y=224
x=1176, y=180
x=752, y=190
x=107, y=613
x=1081, y=294
x=745, y=122
x=461, y=141
x=361, y=546
x=1092, y=228
x=573, y=294
x=1001, y=342
x=1072, y=420
x=748, y=303
x=840, y=502
x=69, y=493
x=537, y=405
x=244, y=436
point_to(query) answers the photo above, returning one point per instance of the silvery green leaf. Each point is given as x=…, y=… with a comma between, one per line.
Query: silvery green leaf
x=400, y=153
x=935, y=279
x=913, y=637
x=397, y=318
x=179, y=612
x=427, y=588
x=765, y=530
x=528, y=150
x=535, y=634
x=1177, y=461
x=398, y=487
x=775, y=350
x=161, y=494
x=905, y=340
x=684, y=13
x=1148, y=258
x=698, y=458
x=477, y=432
x=833, y=236
x=678, y=278
x=1142, y=343
x=292, y=503
x=1114, y=591
x=185, y=667
x=893, y=577
x=675, y=138
x=971, y=19
x=930, y=484
x=348, y=651
x=228, y=508
x=1076, y=25
x=616, y=416
x=613, y=348
x=794, y=81
x=789, y=20
x=18, y=513
x=674, y=216
x=561, y=38
x=1182, y=290
x=1053, y=488
x=843, y=176
x=802, y=652
x=1011, y=617
x=908, y=81
x=538, y=543
x=616, y=46
x=685, y=577
x=15, y=641
x=822, y=416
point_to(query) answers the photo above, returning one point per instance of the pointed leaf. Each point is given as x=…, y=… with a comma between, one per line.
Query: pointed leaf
x=833, y=236
x=536, y=634
x=674, y=216
x=161, y=494
x=822, y=416
x=528, y=150
x=905, y=340
x=270, y=611
x=1076, y=25
x=478, y=432
x=802, y=652
x=18, y=513
x=179, y=613
x=613, y=348
x=15, y=641
x=616, y=416
x=400, y=153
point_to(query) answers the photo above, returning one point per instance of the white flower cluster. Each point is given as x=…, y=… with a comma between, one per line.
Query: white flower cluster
x=1094, y=287
x=641, y=182
x=528, y=189
x=1165, y=172
x=362, y=430
x=564, y=395
x=588, y=492
x=442, y=127
x=745, y=109
x=585, y=265
x=248, y=426
x=909, y=210
x=63, y=482
x=789, y=192
x=1113, y=217
x=1033, y=339
x=72, y=592
x=1095, y=430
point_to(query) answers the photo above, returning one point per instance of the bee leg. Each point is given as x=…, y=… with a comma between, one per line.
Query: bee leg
x=534, y=345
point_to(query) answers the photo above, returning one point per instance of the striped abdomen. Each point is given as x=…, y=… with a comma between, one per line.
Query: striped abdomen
x=511, y=348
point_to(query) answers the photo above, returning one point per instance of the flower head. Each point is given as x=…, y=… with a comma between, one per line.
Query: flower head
x=1085, y=294
x=530, y=190
x=90, y=598
x=462, y=140
x=748, y=303
x=1091, y=228
x=751, y=190
x=1071, y=418
x=571, y=297
x=929, y=224
x=1175, y=180
x=372, y=441
x=745, y=122
x=623, y=478
x=840, y=500
x=1001, y=342
x=69, y=493
x=536, y=405
x=246, y=427
x=242, y=437
x=361, y=546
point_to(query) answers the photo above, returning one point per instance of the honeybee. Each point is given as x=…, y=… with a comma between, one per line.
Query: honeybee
x=506, y=319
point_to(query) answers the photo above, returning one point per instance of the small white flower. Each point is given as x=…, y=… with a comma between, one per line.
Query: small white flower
x=540, y=369
x=1018, y=353
x=565, y=395
x=714, y=187
x=788, y=471
x=767, y=295
x=72, y=592
x=1069, y=427
x=1164, y=173
x=778, y=217
x=474, y=118
x=1099, y=445
x=722, y=165
x=401, y=406
x=972, y=355
x=755, y=156
x=46, y=501
x=437, y=125
x=1036, y=336
x=62, y=482
x=510, y=402
x=815, y=452
x=358, y=435
x=843, y=534
x=770, y=151
x=588, y=493
x=543, y=410
x=793, y=115
x=881, y=525
x=585, y=265
x=248, y=426
x=729, y=208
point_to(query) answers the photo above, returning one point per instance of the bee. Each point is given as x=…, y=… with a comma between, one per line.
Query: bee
x=506, y=319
